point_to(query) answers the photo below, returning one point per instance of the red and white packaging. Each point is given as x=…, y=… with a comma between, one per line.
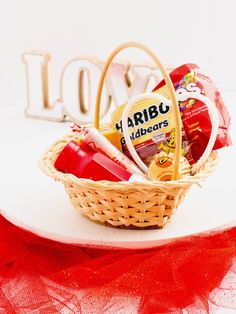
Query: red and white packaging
x=194, y=113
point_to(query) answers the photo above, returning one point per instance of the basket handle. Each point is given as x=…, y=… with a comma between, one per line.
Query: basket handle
x=168, y=84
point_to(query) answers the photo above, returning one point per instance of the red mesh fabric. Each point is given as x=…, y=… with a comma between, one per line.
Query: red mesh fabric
x=41, y=276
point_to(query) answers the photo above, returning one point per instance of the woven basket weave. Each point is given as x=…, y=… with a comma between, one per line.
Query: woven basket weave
x=126, y=204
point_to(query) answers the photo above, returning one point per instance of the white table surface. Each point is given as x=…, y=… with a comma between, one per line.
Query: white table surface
x=34, y=201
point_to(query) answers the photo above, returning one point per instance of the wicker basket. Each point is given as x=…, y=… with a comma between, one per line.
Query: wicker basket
x=126, y=204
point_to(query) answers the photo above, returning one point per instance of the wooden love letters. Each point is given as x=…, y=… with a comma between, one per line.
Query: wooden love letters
x=78, y=84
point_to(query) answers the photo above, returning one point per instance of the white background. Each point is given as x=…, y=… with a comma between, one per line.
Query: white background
x=179, y=31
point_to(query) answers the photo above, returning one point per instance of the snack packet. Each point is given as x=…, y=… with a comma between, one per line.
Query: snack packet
x=194, y=113
x=152, y=128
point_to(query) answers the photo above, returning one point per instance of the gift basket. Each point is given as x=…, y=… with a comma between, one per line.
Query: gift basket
x=139, y=198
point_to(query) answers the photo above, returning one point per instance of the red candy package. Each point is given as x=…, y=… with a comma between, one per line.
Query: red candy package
x=194, y=113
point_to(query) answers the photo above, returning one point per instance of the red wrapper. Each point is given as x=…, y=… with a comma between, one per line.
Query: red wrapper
x=197, y=274
x=194, y=113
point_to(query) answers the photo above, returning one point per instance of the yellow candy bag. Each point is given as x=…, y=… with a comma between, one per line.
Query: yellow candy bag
x=151, y=125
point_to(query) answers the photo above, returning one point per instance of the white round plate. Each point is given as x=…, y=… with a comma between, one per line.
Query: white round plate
x=33, y=201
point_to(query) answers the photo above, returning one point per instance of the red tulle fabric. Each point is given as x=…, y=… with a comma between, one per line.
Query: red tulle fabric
x=197, y=274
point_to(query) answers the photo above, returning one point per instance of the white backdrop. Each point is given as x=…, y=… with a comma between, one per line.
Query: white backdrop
x=200, y=31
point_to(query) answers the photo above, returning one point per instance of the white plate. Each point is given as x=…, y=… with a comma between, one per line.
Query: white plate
x=35, y=202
